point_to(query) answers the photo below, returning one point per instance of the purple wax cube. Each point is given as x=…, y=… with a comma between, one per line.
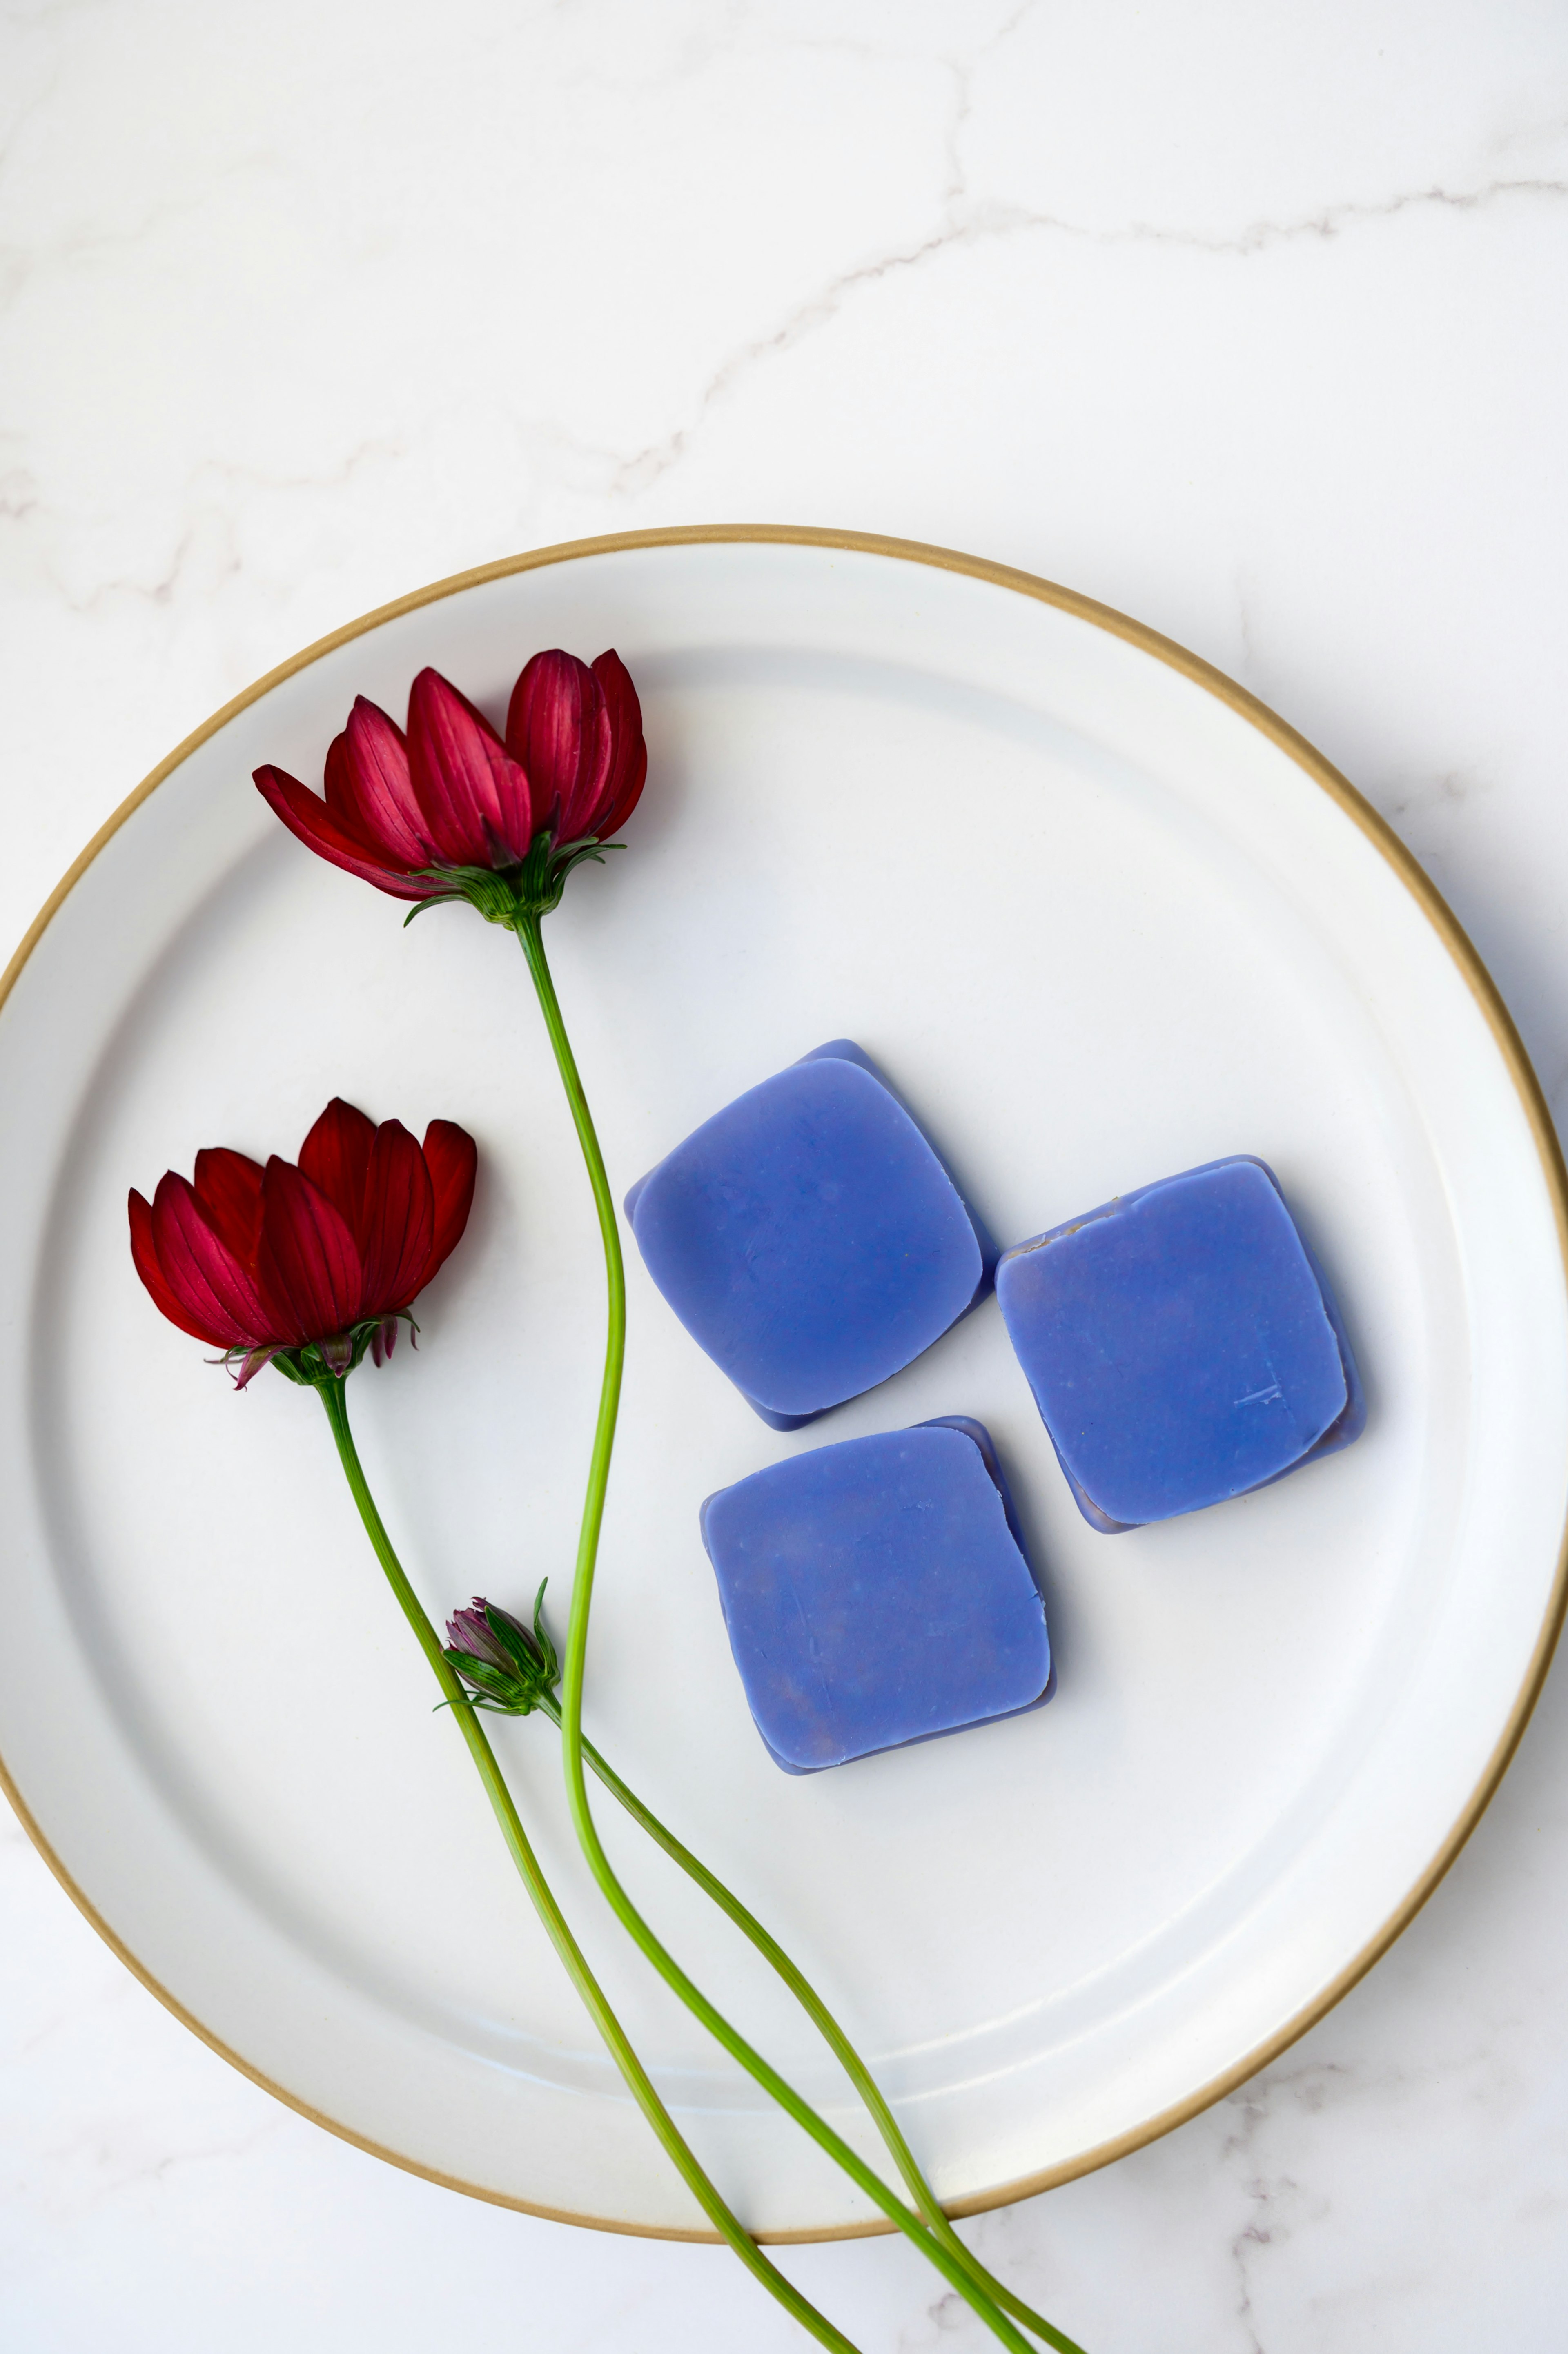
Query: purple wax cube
x=877, y=1593
x=809, y=1238
x=1183, y=1345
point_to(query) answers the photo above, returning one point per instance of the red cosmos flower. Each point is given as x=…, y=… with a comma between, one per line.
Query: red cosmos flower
x=310, y=1265
x=440, y=812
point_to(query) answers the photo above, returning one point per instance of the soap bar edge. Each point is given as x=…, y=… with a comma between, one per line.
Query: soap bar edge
x=1347, y=1425
x=846, y=1050
x=979, y=1438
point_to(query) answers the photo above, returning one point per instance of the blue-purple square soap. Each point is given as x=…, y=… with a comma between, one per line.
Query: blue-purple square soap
x=809, y=1238
x=1181, y=1344
x=876, y=1593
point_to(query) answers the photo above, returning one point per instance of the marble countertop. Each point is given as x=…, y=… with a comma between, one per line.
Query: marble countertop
x=1246, y=321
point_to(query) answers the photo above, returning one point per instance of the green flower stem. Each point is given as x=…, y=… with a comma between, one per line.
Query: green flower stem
x=955, y=2268
x=333, y=1397
x=832, y=2034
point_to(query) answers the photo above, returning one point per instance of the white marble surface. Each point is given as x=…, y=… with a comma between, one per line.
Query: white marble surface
x=1247, y=319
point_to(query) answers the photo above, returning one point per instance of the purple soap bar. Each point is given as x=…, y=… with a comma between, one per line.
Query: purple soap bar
x=877, y=1593
x=1183, y=1345
x=809, y=1238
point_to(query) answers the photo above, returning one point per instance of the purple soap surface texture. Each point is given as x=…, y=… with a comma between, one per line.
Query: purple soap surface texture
x=875, y=1594
x=809, y=1238
x=1182, y=1343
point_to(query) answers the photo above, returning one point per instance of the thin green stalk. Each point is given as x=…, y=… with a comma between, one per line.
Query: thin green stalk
x=333, y=1397
x=955, y=2268
x=822, y=2019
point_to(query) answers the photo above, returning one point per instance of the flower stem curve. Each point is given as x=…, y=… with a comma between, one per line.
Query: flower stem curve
x=822, y=2019
x=946, y=2251
x=334, y=1398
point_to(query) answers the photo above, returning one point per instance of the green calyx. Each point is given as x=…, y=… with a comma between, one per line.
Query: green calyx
x=321, y=1363
x=515, y=895
x=520, y=1668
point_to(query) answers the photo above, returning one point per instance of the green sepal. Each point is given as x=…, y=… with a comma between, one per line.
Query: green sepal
x=576, y=852
x=536, y=1657
x=308, y=1367
x=494, y=1688
x=516, y=894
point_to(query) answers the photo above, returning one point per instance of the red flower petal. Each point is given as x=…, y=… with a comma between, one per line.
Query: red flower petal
x=369, y=785
x=163, y=1296
x=309, y=1267
x=557, y=727
x=451, y=1156
x=213, y=1287
x=229, y=1188
x=335, y=1156
x=475, y=798
x=309, y=821
x=629, y=766
x=399, y=1220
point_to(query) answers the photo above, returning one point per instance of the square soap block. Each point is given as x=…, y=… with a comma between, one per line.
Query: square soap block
x=1183, y=1345
x=809, y=1238
x=877, y=1593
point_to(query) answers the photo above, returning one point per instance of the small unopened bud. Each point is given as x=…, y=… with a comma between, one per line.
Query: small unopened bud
x=509, y=1667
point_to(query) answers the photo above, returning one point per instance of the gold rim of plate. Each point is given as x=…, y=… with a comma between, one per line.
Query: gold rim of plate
x=1510, y=1045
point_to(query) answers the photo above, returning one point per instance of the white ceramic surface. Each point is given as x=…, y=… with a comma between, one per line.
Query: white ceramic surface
x=1099, y=927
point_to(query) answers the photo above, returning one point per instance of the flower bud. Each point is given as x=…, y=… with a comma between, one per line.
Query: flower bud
x=510, y=1668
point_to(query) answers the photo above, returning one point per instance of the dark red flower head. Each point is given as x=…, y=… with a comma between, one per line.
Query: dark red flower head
x=412, y=813
x=323, y=1257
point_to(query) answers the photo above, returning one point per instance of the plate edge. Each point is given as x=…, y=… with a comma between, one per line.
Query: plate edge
x=1472, y=970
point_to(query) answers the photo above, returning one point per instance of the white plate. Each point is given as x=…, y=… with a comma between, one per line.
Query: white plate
x=1101, y=917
